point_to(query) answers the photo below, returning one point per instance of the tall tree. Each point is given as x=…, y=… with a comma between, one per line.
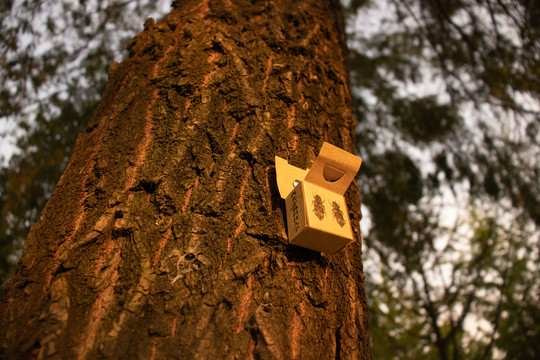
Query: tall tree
x=165, y=236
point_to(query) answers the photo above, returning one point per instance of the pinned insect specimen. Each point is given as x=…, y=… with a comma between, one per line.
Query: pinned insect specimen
x=318, y=206
x=338, y=214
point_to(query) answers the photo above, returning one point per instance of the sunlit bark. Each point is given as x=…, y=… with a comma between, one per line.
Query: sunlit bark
x=165, y=237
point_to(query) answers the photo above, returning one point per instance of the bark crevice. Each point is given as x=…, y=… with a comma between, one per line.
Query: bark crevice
x=166, y=237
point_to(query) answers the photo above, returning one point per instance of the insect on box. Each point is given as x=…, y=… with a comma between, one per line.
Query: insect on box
x=317, y=216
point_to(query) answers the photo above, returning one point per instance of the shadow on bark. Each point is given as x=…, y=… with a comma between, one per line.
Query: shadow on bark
x=299, y=255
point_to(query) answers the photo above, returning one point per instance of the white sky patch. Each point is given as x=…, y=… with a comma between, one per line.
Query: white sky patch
x=62, y=16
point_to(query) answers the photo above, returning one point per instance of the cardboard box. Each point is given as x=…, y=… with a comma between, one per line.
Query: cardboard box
x=317, y=216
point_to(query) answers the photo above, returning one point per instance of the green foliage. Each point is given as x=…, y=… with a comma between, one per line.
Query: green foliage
x=448, y=105
x=424, y=120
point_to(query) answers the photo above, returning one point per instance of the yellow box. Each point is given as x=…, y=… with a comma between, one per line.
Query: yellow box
x=317, y=216
x=317, y=219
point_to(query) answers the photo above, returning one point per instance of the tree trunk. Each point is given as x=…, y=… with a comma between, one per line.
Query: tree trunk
x=165, y=237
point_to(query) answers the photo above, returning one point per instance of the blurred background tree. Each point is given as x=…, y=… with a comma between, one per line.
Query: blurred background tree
x=54, y=58
x=447, y=99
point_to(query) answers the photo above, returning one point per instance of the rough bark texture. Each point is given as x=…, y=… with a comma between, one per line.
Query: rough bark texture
x=165, y=237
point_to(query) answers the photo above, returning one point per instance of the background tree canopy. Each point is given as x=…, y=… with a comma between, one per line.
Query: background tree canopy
x=55, y=57
x=447, y=99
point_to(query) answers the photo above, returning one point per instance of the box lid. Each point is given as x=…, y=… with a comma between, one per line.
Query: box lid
x=333, y=169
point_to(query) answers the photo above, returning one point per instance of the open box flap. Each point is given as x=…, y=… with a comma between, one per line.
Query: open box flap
x=334, y=169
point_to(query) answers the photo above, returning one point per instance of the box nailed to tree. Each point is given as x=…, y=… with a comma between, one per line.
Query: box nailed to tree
x=317, y=216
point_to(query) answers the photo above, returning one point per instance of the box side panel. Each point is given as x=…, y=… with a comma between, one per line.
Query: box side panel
x=295, y=208
x=320, y=241
x=326, y=211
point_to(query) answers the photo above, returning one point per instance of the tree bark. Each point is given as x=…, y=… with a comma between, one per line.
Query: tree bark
x=165, y=237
